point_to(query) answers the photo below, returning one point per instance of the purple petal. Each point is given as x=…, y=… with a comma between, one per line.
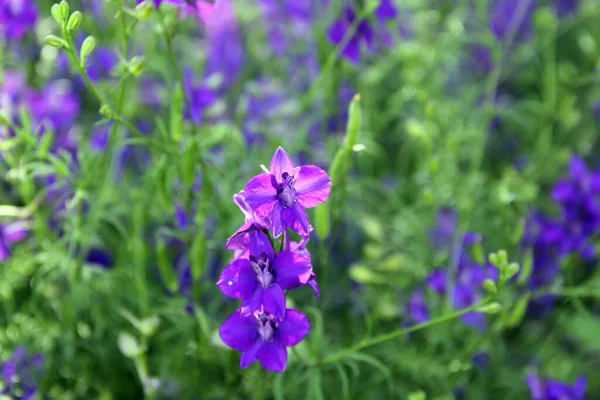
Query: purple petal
x=437, y=281
x=291, y=270
x=15, y=232
x=536, y=387
x=579, y=387
x=563, y=191
x=337, y=32
x=241, y=202
x=261, y=194
x=240, y=240
x=273, y=357
x=279, y=224
x=239, y=333
x=313, y=186
x=281, y=163
x=301, y=222
x=260, y=243
x=352, y=51
x=271, y=299
x=238, y=280
x=293, y=329
x=312, y=282
x=249, y=356
x=577, y=168
x=386, y=10
x=4, y=251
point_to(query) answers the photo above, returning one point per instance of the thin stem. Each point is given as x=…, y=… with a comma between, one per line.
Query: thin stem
x=401, y=332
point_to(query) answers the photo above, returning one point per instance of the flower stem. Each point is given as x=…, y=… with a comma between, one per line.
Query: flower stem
x=396, y=334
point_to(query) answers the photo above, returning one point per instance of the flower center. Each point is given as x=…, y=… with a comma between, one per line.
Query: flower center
x=262, y=266
x=286, y=192
x=267, y=326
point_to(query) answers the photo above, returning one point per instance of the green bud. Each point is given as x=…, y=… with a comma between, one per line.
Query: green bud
x=88, y=46
x=512, y=270
x=74, y=21
x=490, y=286
x=55, y=10
x=492, y=308
x=55, y=41
x=354, y=121
x=136, y=66
x=144, y=10
x=494, y=259
x=107, y=112
x=502, y=257
x=545, y=20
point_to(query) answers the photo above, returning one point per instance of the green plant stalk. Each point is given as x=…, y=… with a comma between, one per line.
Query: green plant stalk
x=398, y=333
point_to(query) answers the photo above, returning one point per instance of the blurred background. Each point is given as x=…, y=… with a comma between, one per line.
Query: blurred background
x=120, y=155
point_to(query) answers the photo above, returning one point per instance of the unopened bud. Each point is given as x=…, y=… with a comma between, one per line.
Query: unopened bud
x=136, y=66
x=55, y=41
x=144, y=10
x=74, y=21
x=492, y=308
x=490, y=286
x=88, y=46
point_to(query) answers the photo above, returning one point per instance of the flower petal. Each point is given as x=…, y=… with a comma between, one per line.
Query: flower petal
x=273, y=357
x=239, y=333
x=293, y=329
x=536, y=387
x=279, y=224
x=291, y=270
x=241, y=238
x=241, y=202
x=281, y=163
x=260, y=243
x=249, y=356
x=296, y=218
x=337, y=32
x=313, y=186
x=238, y=280
x=312, y=282
x=274, y=301
x=261, y=194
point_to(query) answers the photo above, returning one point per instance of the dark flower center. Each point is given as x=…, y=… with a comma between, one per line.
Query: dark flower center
x=267, y=326
x=264, y=273
x=286, y=193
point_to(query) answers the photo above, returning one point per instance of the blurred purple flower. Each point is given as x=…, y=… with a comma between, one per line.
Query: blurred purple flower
x=511, y=19
x=566, y=7
x=11, y=234
x=442, y=235
x=17, y=17
x=20, y=375
x=100, y=257
x=363, y=34
x=417, y=309
x=549, y=389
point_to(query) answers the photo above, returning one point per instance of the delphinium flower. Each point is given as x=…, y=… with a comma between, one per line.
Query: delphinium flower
x=17, y=18
x=20, y=375
x=286, y=191
x=360, y=32
x=11, y=234
x=263, y=327
x=542, y=388
x=511, y=19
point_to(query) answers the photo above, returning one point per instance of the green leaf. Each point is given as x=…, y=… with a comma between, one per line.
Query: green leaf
x=344, y=380
x=518, y=312
x=354, y=122
x=315, y=389
x=188, y=166
x=322, y=220
x=203, y=321
x=149, y=325
x=362, y=274
x=167, y=271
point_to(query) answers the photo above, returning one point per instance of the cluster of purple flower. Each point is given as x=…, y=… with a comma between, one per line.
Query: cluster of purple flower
x=463, y=282
x=272, y=202
x=548, y=389
x=19, y=375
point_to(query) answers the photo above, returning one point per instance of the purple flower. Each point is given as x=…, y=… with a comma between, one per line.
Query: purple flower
x=285, y=192
x=17, y=17
x=511, y=17
x=300, y=249
x=445, y=229
x=20, y=375
x=565, y=7
x=418, y=311
x=548, y=389
x=261, y=336
x=246, y=236
x=9, y=235
x=201, y=97
x=261, y=279
x=100, y=257
x=363, y=34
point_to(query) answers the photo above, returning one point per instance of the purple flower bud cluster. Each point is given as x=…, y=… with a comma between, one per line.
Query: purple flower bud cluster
x=19, y=375
x=462, y=281
x=549, y=389
x=272, y=203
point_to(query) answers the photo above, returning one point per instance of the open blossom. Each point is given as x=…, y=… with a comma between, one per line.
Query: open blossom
x=241, y=240
x=548, y=389
x=285, y=193
x=9, y=235
x=261, y=279
x=262, y=336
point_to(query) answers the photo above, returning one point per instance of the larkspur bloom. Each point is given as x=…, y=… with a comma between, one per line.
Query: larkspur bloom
x=283, y=194
x=11, y=234
x=20, y=375
x=261, y=279
x=512, y=17
x=549, y=389
x=248, y=234
x=17, y=18
x=262, y=336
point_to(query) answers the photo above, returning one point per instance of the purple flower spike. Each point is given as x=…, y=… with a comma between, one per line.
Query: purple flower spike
x=285, y=193
x=17, y=17
x=261, y=336
x=261, y=279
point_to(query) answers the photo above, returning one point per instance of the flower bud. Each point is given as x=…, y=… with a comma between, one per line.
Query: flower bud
x=502, y=257
x=106, y=112
x=494, y=259
x=55, y=41
x=74, y=21
x=136, y=66
x=144, y=10
x=88, y=46
x=490, y=286
x=55, y=10
x=512, y=270
x=492, y=308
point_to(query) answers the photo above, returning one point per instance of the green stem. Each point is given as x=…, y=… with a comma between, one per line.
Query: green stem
x=396, y=334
